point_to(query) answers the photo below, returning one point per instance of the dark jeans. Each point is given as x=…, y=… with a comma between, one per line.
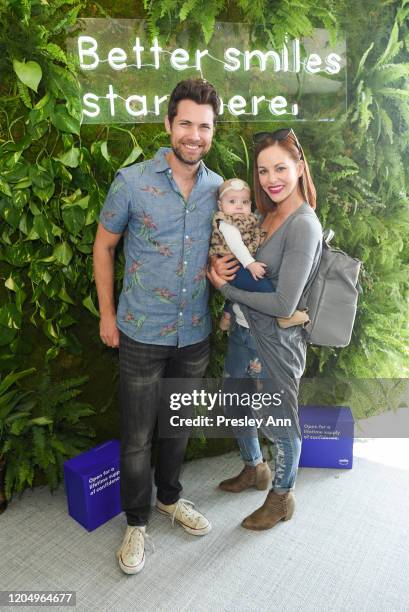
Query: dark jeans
x=245, y=281
x=141, y=368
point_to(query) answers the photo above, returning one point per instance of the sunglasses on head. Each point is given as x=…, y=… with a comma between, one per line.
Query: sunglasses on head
x=278, y=135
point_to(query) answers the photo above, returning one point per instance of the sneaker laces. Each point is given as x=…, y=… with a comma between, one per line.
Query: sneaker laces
x=185, y=507
x=146, y=537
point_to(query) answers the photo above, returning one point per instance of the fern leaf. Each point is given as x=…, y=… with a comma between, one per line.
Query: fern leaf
x=186, y=9
x=391, y=92
x=68, y=20
x=38, y=435
x=363, y=60
x=366, y=115
x=393, y=46
x=58, y=446
x=55, y=52
x=75, y=411
x=208, y=23
x=53, y=476
x=404, y=113
x=7, y=403
x=23, y=473
x=9, y=479
x=388, y=73
x=19, y=424
x=24, y=94
x=387, y=125
x=345, y=162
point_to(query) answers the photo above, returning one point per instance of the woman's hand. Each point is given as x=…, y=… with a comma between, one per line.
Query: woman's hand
x=216, y=280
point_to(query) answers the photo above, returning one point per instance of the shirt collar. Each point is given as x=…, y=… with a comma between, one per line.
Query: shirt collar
x=162, y=164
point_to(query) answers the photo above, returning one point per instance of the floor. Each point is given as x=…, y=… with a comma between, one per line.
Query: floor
x=346, y=548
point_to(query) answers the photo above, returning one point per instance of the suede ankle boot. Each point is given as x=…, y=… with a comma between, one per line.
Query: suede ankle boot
x=276, y=508
x=258, y=476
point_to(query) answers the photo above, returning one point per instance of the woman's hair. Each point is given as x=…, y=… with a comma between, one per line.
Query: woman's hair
x=263, y=201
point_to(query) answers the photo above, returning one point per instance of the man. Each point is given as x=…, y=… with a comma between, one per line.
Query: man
x=163, y=207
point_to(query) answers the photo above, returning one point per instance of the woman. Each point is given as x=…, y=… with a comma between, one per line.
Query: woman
x=258, y=348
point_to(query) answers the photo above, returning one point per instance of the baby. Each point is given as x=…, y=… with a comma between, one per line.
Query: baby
x=236, y=230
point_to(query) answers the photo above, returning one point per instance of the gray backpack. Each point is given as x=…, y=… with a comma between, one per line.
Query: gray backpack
x=331, y=297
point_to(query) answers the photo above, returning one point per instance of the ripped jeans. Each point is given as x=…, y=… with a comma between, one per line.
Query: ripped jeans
x=242, y=362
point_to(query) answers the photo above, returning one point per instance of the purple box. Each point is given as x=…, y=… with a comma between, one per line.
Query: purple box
x=327, y=436
x=92, y=485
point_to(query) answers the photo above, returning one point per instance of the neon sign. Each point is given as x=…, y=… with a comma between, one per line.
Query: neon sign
x=127, y=77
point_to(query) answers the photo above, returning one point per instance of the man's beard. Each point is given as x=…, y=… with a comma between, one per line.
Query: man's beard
x=189, y=162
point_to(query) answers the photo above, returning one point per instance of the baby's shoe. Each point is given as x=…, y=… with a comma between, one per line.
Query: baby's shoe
x=224, y=324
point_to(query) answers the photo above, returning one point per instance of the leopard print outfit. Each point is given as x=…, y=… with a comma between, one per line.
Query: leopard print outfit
x=248, y=227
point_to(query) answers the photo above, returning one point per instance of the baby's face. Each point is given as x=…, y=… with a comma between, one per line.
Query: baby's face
x=236, y=202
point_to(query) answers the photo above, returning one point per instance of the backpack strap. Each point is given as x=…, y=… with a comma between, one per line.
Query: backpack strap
x=327, y=236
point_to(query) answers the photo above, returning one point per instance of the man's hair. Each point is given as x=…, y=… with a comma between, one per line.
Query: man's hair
x=197, y=90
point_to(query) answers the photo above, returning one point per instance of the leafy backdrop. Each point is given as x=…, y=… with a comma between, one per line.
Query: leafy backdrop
x=54, y=175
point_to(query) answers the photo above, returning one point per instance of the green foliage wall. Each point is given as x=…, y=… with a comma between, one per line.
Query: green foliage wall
x=54, y=175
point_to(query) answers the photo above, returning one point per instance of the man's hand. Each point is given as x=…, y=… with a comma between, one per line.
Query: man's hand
x=257, y=269
x=225, y=267
x=108, y=331
x=216, y=280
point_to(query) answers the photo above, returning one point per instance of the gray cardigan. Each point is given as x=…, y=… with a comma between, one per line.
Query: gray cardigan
x=291, y=254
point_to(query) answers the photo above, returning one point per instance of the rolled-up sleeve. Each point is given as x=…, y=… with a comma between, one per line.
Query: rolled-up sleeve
x=301, y=245
x=115, y=213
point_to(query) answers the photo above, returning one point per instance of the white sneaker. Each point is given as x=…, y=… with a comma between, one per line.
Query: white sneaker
x=131, y=555
x=183, y=512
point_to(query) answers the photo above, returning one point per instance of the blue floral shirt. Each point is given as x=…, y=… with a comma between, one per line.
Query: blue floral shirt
x=164, y=298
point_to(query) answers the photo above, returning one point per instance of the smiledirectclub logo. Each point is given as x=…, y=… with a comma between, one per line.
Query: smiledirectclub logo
x=343, y=461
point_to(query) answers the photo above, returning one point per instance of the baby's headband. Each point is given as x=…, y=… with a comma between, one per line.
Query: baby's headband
x=235, y=185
